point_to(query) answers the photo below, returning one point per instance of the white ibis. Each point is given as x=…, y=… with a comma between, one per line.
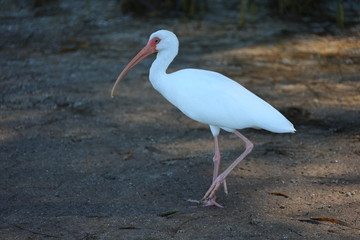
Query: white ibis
x=210, y=98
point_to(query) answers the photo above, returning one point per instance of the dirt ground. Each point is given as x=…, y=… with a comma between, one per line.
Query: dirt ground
x=77, y=164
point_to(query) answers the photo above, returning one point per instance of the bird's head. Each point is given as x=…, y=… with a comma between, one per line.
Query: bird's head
x=162, y=40
x=159, y=41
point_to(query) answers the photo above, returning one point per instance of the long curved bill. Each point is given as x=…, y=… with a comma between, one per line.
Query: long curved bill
x=146, y=51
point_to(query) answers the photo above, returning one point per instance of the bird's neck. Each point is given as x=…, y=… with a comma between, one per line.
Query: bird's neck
x=161, y=63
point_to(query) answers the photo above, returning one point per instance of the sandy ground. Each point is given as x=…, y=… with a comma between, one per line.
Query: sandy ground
x=76, y=164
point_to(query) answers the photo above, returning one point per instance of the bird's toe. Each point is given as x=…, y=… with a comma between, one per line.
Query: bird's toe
x=210, y=202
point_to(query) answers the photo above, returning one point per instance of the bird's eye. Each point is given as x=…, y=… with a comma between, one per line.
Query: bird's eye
x=157, y=40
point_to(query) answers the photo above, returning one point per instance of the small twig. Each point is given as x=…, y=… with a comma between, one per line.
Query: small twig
x=33, y=232
x=178, y=159
x=129, y=227
x=292, y=230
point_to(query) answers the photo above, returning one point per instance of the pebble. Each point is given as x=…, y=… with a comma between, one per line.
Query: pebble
x=335, y=181
x=349, y=61
x=293, y=181
x=228, y=227
x=285, y=61
x=349, y=194
x=255, y=221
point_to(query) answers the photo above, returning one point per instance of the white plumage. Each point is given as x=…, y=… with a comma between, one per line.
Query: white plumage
x=216, y=100
x=210, y=98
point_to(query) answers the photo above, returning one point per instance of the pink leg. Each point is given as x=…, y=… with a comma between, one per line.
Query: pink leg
x=210, y=196
x=216, y=160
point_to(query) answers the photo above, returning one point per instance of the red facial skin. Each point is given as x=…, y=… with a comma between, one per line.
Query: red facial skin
x=153, y=42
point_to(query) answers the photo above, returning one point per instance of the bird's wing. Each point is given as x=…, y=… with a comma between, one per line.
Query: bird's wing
x=214, y=99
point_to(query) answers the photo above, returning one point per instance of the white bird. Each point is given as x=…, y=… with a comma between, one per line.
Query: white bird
x=210, y=98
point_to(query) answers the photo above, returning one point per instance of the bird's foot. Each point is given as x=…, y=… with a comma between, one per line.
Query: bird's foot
x=209, y=198
x=210, y=202
x=206, y=202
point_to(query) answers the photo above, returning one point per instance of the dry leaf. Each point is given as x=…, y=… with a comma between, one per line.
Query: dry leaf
x=332, y=220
